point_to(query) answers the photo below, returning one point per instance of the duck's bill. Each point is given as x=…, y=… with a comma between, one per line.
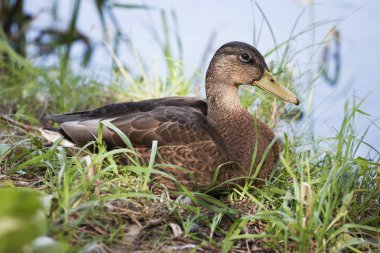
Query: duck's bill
x=270, y=84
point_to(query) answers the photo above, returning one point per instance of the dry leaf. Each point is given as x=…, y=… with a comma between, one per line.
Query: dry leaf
x=177, y=231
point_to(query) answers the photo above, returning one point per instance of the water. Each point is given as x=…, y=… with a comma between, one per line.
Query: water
x=234, y=20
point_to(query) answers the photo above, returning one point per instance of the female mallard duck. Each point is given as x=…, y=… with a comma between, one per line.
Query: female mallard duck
x=195, y=134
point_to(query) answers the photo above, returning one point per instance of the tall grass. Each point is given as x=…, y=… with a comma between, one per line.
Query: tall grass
x=321, y=196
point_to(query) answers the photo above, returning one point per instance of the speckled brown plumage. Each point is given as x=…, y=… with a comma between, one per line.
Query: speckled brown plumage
x=195, y=134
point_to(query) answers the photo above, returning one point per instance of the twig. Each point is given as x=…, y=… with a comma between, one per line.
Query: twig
x=18, y=124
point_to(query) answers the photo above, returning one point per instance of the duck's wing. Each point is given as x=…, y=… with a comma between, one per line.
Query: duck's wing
x=170, y=121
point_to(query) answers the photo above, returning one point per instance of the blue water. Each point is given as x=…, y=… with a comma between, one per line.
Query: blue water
x=234, y=20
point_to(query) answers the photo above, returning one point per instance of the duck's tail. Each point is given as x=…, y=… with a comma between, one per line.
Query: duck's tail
x=54, y=134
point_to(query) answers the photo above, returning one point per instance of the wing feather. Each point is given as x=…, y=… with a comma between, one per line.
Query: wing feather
x=170, y=121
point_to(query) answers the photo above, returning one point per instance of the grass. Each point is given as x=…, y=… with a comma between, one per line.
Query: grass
x=320, y=197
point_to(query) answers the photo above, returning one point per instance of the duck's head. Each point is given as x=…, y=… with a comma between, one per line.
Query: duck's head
x=241, y=63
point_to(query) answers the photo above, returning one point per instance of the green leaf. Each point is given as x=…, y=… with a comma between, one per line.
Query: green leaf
x=362, y=112
x=22, y=218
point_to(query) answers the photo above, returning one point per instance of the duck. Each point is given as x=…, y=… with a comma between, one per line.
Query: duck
x=202, y=143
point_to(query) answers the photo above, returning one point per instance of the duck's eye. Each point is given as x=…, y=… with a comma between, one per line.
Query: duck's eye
x=245, y=57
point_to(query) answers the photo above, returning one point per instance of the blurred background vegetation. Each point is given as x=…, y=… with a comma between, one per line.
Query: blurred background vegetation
x=50, y=83
x=51, y=38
